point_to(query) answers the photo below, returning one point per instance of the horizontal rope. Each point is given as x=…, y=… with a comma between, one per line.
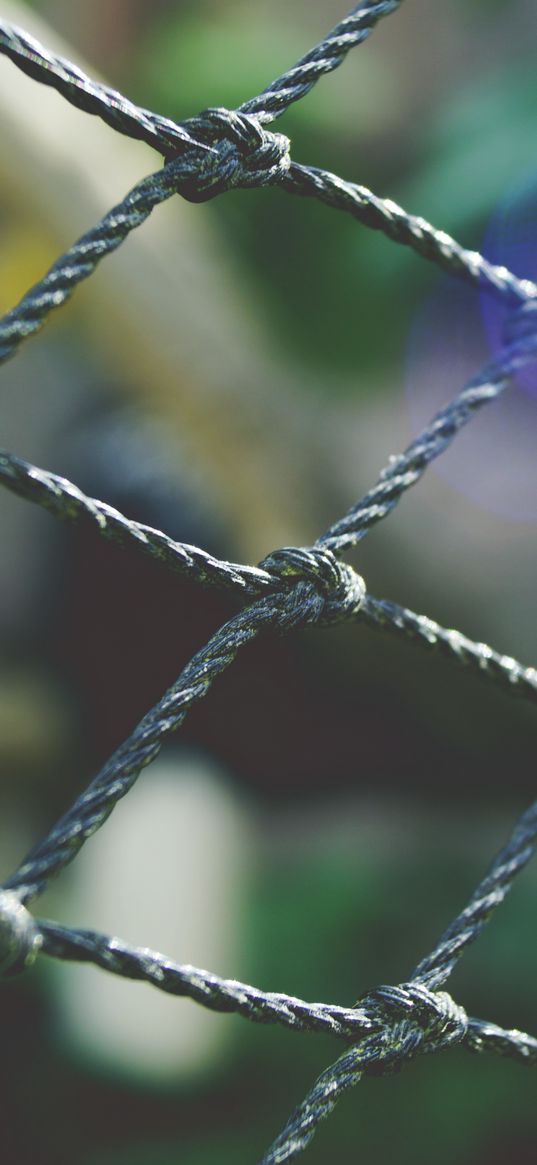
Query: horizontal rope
x=488, y=1037
x=231, y=996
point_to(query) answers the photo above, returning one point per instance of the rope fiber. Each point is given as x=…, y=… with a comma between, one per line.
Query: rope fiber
x=291, y=588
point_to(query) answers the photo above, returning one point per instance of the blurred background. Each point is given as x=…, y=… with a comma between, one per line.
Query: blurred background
x=237, y=374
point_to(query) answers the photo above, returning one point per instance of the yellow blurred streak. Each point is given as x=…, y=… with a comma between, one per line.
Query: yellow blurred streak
x=26, y=251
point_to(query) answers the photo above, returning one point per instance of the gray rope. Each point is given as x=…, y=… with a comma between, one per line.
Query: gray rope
x=218, y=150
x=411, y=1020
x=435, y=968
x=66, y=501
x=218, y=994
x=315, y=589
x=324, y=58
x=440, y=1023
x=488, y=1037
x=503, y=670
x=91, y=96
x=293, y=587
x=69, y=503
x=162, y=133
x=436, y=1024
x=405, y=469
x=245, y=154
x=231, y=996
x=382, y=214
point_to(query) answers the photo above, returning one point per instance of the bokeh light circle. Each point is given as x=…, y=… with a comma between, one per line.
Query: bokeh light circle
x=457, y=330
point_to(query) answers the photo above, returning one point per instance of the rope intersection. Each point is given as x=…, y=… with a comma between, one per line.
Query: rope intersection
x=291, y=588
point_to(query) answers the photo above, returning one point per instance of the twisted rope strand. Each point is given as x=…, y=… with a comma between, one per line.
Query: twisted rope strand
x=91, y=96
x=382, y=214
x=208, y=155
x=92, y=808
x=324, y=58
x=405, y=469
x=81, y=260
x=246, y=155
x=503, y=670
x=315, y=588
x=488, y=1037
x=66, y=501
x=230, y=996
x=210, y=990
x=435, y=968
x=411, y=1020
x=162, y=133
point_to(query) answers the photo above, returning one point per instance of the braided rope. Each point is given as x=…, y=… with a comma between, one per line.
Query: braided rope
x=315, y=588
x=115, y=110
x=66, y=501
x=328, y=55
x=382, y=214
x=405, y=469
x=503, y=670
x=439, y=1022
x=228, y=995
x=292, y=587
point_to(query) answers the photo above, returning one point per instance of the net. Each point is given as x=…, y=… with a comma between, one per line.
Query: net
x=291, y=588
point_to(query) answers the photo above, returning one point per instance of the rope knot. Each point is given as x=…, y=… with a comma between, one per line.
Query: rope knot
x=415, y=1020
x=243, y=153
x=20, y=939
x=321, y=589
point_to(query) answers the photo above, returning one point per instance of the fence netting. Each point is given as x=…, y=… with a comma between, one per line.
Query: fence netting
x=291, y=588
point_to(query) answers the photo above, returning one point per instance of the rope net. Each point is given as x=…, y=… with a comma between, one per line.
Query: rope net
x=291, y=588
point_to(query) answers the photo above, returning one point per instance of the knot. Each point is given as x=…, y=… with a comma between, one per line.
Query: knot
x=243, y=153
x=321, y=589
x=20, y=939
x=415, y=1020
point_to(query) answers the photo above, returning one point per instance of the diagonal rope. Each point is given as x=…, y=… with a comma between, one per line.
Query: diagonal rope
x=328, y=55
x=435, y=968
x=315, y=588
x=226, y=995
x=405, y=469
x=479, y=658
x=91, y=96
x=66, y=501
x=382, y=214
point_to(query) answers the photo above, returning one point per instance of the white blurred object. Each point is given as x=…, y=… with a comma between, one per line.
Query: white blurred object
x=167, y=872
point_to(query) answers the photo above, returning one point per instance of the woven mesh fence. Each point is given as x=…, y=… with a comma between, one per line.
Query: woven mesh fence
x=291, y=588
